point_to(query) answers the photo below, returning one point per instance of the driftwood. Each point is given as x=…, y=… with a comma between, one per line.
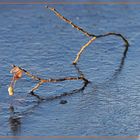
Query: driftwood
x=18, y=71
x=94, y=37
x=41, y=80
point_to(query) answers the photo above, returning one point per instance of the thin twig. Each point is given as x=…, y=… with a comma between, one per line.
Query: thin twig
x=82, y=49
x=27, y=73
x=41, y=80
x=83, y=31
x=86, y=33
x=70, y=22
x=61, y=95
x=37, y=86
x=115, y=34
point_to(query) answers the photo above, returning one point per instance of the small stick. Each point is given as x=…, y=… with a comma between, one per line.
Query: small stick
x=41, y=80
x=86, y=33
x=82, y=49
x=27, y=73
x=36, y=87
x=115, y=34
x=69, y=22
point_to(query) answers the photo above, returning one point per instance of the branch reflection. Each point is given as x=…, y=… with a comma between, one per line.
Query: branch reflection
x=15, y=117
x=14, y=122
x=119, y=69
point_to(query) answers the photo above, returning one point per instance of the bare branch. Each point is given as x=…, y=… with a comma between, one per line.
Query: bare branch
x=37, y=86
x=82, y=49
x=41, y=80
x=17, y=71
x=70, y=22
x=115, y=34
x=86, y=33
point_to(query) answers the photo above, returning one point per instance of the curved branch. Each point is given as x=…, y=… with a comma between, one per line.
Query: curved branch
x=41, y=80
x=86, y=33
x=115, y=34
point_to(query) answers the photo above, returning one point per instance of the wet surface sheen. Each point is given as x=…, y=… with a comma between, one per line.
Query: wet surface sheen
x=35, y=39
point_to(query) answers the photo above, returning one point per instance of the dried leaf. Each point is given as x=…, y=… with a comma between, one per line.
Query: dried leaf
x=14, y=69
x=17, y=73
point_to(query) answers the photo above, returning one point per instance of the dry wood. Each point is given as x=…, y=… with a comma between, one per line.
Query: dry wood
x=82, y=49
x=41, y=80
x=68, y=21
x=17, y=71
x=86, y=33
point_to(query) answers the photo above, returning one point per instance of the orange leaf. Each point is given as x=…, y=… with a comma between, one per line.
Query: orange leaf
x=17, y=72
x=17, y=75
x=14, y=70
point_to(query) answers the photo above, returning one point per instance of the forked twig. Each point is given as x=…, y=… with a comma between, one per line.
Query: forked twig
x=41, y=80
x=86, y=33
x=70, y=22
x=17, y=71
x=82, y=49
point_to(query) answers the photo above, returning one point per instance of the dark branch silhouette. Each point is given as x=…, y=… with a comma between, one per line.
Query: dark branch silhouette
x=94, y=37
x=41, y=80
x=14, y=121
x=18, y=71
x=117, y=71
